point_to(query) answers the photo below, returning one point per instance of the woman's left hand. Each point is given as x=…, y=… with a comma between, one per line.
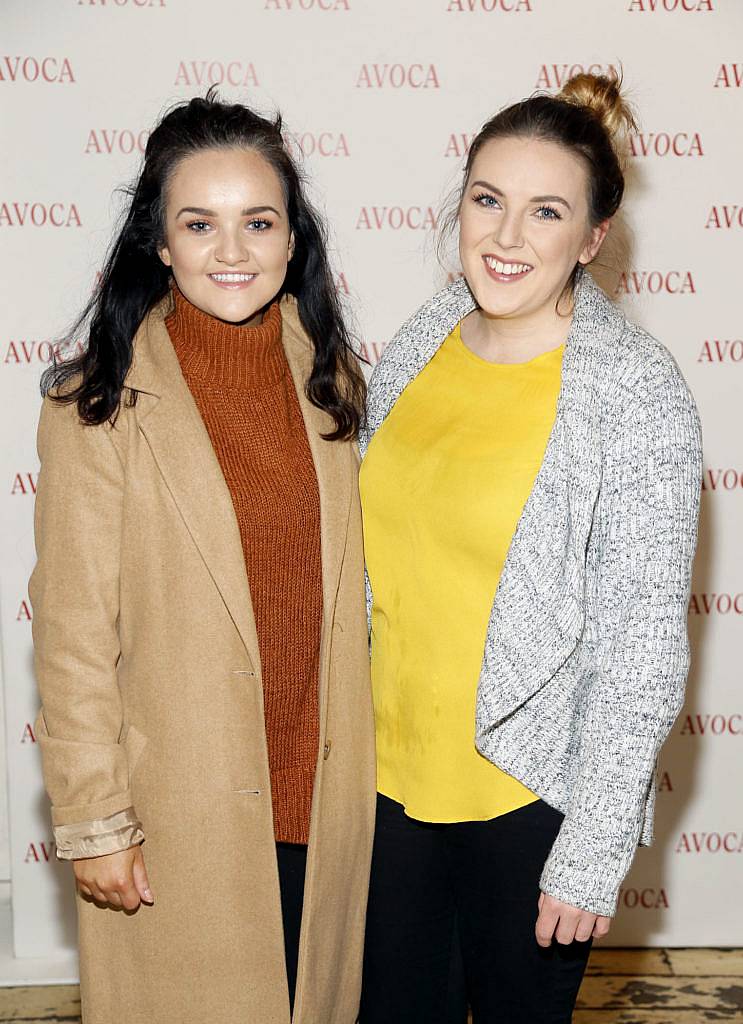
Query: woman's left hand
x=565, y=923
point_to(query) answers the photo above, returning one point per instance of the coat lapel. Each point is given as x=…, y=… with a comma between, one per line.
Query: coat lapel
x=172, y=426
x=335, y=463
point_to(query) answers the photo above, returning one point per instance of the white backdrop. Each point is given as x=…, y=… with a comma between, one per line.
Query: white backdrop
x=382, y=97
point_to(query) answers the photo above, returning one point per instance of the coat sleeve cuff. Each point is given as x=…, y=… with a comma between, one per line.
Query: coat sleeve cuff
x=98, y=837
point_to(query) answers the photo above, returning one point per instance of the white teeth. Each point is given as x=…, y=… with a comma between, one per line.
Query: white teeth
x=232, y=278
x=506, y=268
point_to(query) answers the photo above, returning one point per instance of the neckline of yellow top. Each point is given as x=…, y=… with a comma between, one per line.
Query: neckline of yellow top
x=505, y=367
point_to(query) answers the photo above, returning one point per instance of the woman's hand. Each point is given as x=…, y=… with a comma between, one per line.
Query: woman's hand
x=565, y=923
x=115, y=880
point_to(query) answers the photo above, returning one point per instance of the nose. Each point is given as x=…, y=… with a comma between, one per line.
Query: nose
x=231, y=248
x=509, y=232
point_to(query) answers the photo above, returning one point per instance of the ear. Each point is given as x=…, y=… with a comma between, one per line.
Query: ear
x=595, y=241
x=291, y=244
x=164, y=255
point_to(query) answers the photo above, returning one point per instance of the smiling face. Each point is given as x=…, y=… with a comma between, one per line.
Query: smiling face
x=524, y=224
x=227, y=234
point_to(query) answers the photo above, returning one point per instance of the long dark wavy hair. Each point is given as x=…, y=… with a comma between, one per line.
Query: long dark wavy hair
x=134, y=278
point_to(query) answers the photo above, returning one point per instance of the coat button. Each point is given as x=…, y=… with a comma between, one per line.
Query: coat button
x=326, y=750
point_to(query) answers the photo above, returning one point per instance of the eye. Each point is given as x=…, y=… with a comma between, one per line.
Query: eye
x=259, y=224
x=198, y=226
x=486, y=200
x=548, y=213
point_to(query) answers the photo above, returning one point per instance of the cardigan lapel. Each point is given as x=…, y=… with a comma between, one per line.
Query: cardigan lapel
x=414, y=345
x=172, y=426
x=538, y=609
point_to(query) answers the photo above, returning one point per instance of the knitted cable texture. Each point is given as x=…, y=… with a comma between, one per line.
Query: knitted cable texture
x=586, y=654
x=242, y=386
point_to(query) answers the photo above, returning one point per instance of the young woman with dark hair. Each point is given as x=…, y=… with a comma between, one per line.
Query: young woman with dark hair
x=206, y=724
x=530, y=490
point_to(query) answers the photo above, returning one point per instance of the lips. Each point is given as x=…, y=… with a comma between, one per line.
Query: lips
x=506, y=271
x=232, y=281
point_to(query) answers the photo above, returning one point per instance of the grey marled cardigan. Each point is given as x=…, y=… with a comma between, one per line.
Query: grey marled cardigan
x=586, y=653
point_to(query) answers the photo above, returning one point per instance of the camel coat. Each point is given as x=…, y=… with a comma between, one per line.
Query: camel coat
x=150, y=678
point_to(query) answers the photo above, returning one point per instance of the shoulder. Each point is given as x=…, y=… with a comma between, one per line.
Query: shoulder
x=423, y=331
x=414, y=344
x=637, y=367
x=59, y=391
x=437, y=316
x=62, y=434
x=456, y=298
x=648, y=375
x=650, y=405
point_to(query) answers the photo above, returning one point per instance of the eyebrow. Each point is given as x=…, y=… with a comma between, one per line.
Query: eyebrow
x=534, y=199
x=201, y=211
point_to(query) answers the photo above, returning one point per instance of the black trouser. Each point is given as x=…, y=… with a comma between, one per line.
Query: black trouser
x=292, y=861
x=451, y=917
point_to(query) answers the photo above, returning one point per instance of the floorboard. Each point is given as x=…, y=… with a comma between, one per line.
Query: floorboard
x=622, y=986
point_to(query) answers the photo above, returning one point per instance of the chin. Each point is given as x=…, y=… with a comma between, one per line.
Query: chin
x=492, y=302
x=504, y=299
x=234, y=313
x=237, y=318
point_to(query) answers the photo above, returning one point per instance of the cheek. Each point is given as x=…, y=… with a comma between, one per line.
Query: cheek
x=185, y=251
x=275, y=251
x=468, y=237
x=557, y=248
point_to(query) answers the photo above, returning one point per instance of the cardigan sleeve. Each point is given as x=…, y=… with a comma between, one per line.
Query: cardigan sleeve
x=647, y=518
x=74, y=591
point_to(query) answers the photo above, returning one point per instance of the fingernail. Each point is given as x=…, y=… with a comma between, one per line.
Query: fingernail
x=148, y=896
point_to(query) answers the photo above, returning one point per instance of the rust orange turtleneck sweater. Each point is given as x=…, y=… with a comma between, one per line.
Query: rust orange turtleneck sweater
x=243, y=388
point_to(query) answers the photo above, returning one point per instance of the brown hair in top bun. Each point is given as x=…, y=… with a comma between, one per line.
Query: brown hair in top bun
x=590, y=118
x=602, y=95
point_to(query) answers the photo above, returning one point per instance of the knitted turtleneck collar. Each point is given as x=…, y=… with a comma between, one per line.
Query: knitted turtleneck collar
x=212, y=351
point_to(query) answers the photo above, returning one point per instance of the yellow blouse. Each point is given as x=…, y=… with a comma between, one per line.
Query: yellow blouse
x=443, y=485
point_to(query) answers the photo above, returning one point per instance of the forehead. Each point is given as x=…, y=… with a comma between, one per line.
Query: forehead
x=530, y=167
x=225, y=176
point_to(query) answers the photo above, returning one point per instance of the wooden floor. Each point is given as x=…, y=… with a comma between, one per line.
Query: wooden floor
x=661, y=986
x=622, y=986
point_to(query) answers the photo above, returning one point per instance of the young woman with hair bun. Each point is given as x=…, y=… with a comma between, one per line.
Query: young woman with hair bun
x=530, y=489
x=201, y=652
